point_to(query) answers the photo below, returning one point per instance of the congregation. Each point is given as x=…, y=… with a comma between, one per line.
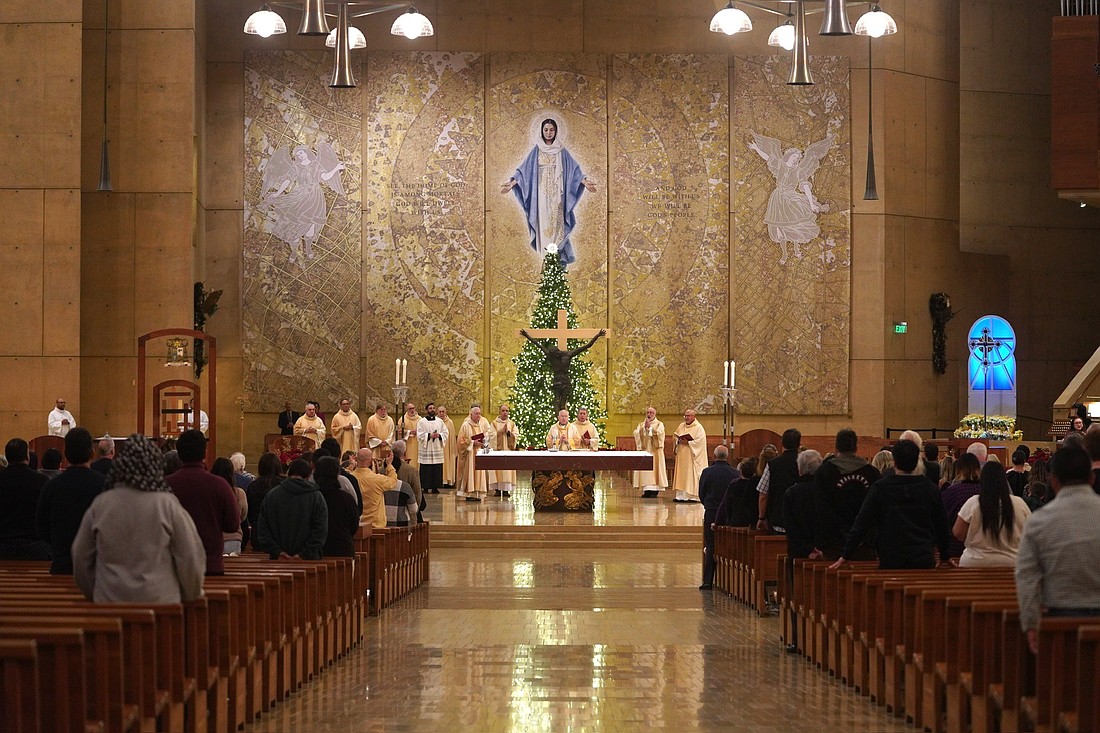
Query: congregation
x=908, y=510
x=907, y=507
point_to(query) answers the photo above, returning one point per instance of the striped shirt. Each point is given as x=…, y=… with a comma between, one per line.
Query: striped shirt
x=1059, y=561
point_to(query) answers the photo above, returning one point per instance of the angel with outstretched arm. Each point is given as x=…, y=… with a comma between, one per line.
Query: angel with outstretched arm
x=292, y=191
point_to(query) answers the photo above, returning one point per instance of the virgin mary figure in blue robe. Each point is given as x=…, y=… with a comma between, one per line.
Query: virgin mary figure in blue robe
x=548, y=185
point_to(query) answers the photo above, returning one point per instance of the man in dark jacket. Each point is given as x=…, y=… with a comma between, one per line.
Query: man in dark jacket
x=839, y=488
x=20, y=487
x=778, y=475
x=209, y=499
x=287, y=418
x=907, y=512
x=798, y=520
x=293, y=521
x=713, y=482
x=65, y=499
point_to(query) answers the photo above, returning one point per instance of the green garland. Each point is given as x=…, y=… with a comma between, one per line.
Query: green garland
x=532, y=395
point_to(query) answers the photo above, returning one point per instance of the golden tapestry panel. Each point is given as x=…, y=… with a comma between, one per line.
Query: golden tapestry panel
x=669, y=231
x=423, y=259
x=525, y=92
x=791, y=297
x=301, y=303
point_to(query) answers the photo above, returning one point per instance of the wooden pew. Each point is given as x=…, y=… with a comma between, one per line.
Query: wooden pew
x=19, y=686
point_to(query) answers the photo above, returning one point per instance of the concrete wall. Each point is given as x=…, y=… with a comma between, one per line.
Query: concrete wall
x=1045, y=249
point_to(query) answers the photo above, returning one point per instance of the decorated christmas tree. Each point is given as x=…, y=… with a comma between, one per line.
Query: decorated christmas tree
x=532, y=398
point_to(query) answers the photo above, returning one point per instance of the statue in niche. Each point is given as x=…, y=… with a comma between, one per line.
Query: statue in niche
x=548, y=185
x=293, y=197
x=792, y=209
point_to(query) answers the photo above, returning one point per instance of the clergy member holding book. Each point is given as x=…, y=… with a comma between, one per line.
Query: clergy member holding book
x=588, y=437
x=475, y=434
x=691, y=457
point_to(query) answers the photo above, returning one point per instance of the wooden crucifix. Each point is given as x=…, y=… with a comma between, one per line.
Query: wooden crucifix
x=561, y=356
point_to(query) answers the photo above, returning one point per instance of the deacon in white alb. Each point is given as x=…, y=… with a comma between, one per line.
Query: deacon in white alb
x=431, y=437
x=60, y=421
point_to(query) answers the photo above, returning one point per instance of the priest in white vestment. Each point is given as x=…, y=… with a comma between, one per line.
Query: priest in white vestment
x=691, y=457
x=562, y=435
x=60, y=420
x=503, y=483
x=450, y=448
x=310, y=425
x=380, y=427
x=476, y=432
x=346, y=427
x=588, y=437
x=650, y=437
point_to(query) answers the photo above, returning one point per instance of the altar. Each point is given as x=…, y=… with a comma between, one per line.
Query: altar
x=564, y=481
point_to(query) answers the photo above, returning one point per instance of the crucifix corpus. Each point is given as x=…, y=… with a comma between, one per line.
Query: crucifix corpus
x=560, y=356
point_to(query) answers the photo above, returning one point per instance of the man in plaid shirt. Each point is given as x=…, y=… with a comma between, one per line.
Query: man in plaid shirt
x=401, y=505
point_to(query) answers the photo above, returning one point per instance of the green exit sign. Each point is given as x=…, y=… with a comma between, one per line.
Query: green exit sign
x=901, y=327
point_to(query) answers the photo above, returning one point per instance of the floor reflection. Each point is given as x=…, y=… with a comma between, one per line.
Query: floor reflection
x=525, y=640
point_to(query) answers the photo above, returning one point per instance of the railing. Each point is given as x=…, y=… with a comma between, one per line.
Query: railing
x=1080, y=7
x=949, y=432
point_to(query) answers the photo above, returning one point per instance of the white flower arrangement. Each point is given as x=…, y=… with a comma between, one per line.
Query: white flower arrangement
x=995, y=427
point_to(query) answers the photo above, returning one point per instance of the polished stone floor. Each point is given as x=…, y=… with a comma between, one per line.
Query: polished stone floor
x=568, y=641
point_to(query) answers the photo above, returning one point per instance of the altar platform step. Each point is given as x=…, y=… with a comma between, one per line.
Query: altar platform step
x=625, y=537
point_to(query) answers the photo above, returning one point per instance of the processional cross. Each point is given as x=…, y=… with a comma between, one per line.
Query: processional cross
x=561, y=356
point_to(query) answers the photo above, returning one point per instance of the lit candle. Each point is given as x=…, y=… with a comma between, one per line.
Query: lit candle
x=397, y=372
x=725, y=374
x=733, y=366
x=404, y=371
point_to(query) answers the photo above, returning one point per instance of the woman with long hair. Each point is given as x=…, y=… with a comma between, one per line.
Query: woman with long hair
x=233, y=541
x=343, y=514
x=883, y=460
x=1037, y=490
x=990, y=524
x=271, y=475
x=947, y=471
x=967, y=483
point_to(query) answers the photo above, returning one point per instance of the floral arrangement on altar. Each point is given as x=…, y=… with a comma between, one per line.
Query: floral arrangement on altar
x=289, y=448
x=995, y=427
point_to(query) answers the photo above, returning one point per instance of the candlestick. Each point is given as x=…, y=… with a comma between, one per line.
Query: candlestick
x=725, y=374
x=733, y=367
x=404, y=371
x=397, y=372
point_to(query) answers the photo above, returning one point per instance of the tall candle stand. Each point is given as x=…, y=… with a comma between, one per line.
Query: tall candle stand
x=729, y=397
x=400, y=392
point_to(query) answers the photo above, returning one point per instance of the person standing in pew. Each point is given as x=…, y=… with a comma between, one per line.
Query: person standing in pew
x=713, y=482
x=20, y=489
x=294, y=517
x=778, y=476
x=1057, y=573
x=136, y=543
x=207, y=498
x=66, y=498
x=906, y=511
x=343, y=514
x=990, y=524
x=840, y=486
x=798, y=520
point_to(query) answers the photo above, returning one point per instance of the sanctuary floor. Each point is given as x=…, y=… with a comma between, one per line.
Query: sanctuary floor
x=548, y=641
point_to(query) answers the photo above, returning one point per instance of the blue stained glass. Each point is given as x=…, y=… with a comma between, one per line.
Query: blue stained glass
x=992, y=363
